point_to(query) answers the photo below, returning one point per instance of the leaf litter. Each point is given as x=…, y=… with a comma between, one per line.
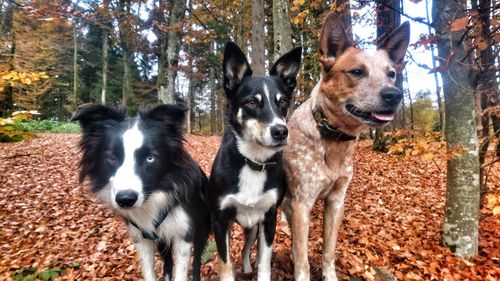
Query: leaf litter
x=392, y=225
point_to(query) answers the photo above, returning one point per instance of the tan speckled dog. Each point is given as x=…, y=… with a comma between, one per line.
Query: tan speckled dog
x=356, y=90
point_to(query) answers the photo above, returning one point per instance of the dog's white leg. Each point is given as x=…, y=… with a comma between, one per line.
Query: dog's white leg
x=250, y=236
x=146, y=252
x=299, y=222
x=332, y=218
x=264, y=256
x=182, y=256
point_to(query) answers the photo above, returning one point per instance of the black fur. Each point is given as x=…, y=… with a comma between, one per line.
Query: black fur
x=176, y=173
x=241, y=89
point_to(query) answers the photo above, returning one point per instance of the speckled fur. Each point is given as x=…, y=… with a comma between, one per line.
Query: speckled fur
x=319, y=168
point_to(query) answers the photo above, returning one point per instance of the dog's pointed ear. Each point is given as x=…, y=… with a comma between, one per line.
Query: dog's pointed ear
x=396, y=43
x=287, y=67
x=235, y=68
x=170, y=114
x=91, y=114
x=333, y=39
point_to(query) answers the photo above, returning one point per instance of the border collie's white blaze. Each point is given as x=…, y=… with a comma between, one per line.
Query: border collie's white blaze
x=139, y=167
x=126, y=178
x=246, y=183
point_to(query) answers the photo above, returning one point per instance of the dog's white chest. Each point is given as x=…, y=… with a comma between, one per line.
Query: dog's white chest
x=251, y=202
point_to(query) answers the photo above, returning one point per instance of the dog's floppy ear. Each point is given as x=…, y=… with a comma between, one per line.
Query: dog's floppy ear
x=333, y=40
x=396, y=43
x=91, y=114
x=235, y=68
x=287, y=67
x=171, y=114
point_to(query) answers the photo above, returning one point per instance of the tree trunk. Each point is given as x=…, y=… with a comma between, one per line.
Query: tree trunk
x=258, y=37
x=460, y=231
x=486, y=84
x=388, y=19
x=166, y=89
x=190, y=105
x=211, y=78
x=7, y=101
x=126, y=33
x=74, y=98
x=412, y=120
x=104, y=65
x=436, y=80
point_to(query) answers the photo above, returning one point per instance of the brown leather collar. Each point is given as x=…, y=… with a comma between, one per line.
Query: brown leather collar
x=326, y=130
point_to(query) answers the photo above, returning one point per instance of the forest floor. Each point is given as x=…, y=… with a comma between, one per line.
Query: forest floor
x=393, y=220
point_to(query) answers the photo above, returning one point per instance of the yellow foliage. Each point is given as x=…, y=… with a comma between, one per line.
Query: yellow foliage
x=496, y=210
x=14, y=78
x=410, y=143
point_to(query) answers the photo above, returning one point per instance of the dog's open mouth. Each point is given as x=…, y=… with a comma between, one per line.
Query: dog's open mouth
x=377, y=117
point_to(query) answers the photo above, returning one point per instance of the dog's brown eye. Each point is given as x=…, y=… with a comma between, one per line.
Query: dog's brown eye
x=356, y=72
x=391, y=74
x=251, y=103
x=283, y=103
x=111, y=159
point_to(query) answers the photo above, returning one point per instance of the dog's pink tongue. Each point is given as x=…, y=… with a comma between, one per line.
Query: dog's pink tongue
x=383, y=117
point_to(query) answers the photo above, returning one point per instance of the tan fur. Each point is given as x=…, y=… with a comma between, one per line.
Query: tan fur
x=321, y=169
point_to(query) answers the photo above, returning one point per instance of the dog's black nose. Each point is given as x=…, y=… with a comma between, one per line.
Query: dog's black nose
x=126, y=199
x=279, y=132
x=391, y=95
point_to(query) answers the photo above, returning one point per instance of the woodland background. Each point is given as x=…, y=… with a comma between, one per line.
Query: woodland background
x=433, y=169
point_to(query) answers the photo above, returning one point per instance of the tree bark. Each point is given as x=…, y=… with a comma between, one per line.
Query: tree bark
x=7, y=101
x=74, y=98
x=105, y=46
x=258, y=37
x=126, y=43
x=213, y=90
x=486, y=84
x=387, y=21
x=460, y=230
x=166, y=86
x=436, y=80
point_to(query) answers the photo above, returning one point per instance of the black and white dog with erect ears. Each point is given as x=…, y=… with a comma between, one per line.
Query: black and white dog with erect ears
x=247, y=181
x=139, y=167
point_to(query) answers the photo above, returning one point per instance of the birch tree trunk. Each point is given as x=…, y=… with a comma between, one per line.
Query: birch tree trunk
x=258, y=37
x=105, y=46
x=166, y=84
x=460, y=231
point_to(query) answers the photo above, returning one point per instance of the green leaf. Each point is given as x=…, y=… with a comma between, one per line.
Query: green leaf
x=44, y=275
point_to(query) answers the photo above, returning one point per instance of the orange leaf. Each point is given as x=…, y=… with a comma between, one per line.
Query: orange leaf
x=459, y=24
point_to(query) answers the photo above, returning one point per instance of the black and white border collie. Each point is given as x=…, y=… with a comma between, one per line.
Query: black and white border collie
x=139, y=167
x=247, y=181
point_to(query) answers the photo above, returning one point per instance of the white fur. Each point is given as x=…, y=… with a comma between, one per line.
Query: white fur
x=146, y=252
x=125, y=177
x=265, y=253
x=250, y=202
x=254, y=151
x=182, y=252
x=247, y=266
